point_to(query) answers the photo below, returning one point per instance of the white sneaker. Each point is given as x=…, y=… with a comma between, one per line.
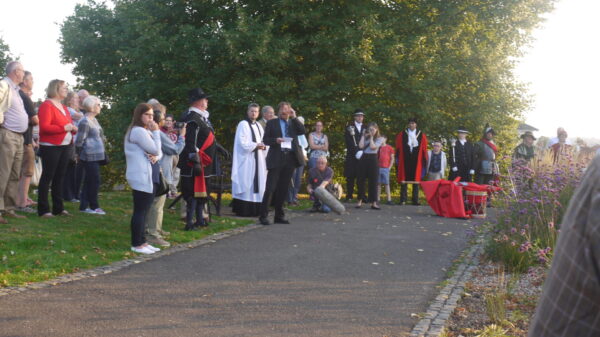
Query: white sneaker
x=143, y=250
x=88, y=211
x=151, y=247
x=99, y=211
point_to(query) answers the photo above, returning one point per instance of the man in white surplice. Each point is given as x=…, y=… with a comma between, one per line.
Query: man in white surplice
x=249, y=169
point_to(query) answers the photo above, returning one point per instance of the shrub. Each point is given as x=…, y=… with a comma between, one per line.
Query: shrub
x=534, y=198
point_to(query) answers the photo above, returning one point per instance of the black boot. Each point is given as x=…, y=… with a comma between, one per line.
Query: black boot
x=403, y=193
x=189, y=214
x=415, y=194
x=200, y=222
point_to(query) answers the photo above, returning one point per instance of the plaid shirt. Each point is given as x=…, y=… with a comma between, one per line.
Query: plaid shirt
x=570, y=303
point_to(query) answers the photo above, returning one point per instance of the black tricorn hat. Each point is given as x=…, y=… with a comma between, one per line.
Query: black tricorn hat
x=359, y=112
x=462, y=129
x=528, y=133
x=196, y=94
x=487, y=129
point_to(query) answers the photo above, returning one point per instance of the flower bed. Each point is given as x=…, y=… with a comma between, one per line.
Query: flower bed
x=504, y=290
x=532, y=204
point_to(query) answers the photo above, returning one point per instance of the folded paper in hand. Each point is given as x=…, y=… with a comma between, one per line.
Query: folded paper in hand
x=287, y=143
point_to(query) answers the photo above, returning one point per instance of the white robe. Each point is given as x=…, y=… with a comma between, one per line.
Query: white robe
x=244, y=163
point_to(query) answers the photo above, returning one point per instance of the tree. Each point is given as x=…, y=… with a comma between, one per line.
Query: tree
x=5, y=55
x=449, y=63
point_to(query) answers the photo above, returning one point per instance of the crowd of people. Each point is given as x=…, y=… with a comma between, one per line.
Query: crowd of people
x=271, y=149
x=63, y=132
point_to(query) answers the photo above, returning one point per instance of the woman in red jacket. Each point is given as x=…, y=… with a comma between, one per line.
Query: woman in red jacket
x=56, y=137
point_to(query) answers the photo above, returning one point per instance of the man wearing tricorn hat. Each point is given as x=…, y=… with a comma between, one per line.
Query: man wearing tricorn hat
x=411, y=156
x=352, y=136
x=525, y=150
x=461, y=157
x=196, y=159
x=485, y=157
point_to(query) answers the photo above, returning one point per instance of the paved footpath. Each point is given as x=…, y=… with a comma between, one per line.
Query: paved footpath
x=360, y=274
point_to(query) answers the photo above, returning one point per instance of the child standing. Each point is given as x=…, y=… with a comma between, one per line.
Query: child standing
x=436, y=162
x=386, y=153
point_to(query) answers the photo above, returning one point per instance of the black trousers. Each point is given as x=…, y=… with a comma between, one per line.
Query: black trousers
x=483, y=179
x=351, y=174
x=368, y=169
x=404, y=193
x=194, y=206
x=278, y=182
x=73, y=177
x=54, y=167
x=142, y=202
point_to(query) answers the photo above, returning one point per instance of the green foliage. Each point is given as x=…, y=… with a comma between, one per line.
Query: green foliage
x=447, y=62
x=5, y=55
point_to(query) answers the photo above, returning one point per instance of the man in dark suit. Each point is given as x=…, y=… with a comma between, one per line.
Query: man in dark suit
x=352, y=137
x=462, y=162
x=283, y=157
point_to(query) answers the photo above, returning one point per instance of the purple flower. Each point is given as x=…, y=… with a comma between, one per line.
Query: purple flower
x=524, y=247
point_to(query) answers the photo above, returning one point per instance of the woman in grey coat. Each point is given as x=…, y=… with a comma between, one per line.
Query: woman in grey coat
x=89, y=145
x=169, y=149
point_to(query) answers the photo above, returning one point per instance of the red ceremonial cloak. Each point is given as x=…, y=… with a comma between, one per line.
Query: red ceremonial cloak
x=421, y=157
x=200, y=190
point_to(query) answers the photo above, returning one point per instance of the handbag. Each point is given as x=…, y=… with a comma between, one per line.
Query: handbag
x=163, y=186
x=104, y=161
x=37, y=171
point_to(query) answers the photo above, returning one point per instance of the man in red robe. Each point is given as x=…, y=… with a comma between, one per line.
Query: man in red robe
x=411, y=158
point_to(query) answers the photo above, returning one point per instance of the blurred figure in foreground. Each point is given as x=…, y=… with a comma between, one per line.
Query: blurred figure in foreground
x=570, y=302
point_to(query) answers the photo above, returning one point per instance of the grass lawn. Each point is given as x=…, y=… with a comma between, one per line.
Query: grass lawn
x=37, y=249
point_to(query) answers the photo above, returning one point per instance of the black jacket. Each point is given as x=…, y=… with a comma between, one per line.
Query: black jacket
x=463, y=157
x=275, y=157
x=351, y=163
x=197, y=131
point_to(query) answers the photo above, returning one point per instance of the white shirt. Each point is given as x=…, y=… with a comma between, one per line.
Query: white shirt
x=202, y=113
x=15, y=118
x=358, y=126
x=412, y=138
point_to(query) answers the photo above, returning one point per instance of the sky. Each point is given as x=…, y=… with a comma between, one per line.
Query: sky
x=561, y=67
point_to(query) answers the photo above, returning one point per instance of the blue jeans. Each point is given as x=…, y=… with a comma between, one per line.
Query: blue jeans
x=294, y=188
x=91, y=185
x=312, y=162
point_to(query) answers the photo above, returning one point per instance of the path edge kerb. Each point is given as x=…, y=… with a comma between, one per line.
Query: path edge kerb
x=444, y=304
x=116, y=266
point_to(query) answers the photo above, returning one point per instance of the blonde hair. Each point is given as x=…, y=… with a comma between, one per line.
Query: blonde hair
x=67, y=101
x=53, y=87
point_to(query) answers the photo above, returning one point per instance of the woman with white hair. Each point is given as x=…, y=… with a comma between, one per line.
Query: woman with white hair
x=89, y=145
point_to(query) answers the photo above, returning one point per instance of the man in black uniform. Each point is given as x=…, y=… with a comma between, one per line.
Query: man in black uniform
x=462, y=163
x=352, y=136
x=196, y=159
x=283, y=157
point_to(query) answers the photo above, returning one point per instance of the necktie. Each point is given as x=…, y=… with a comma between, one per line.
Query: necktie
x=287, y=128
